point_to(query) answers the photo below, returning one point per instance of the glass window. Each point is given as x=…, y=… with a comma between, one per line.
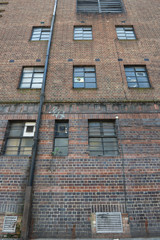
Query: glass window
x=40, y=34
x=32, y=77
x=17, y=141
x=84, y=77
x=102, y=138
x=61, y=138
x=137, y=77
x=125, y=33
x=82, y=33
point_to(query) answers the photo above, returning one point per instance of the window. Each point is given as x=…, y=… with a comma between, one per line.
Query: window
x=40, y=34
x=9, y=224
x=61, y=138
x=137, y=77
x=32, y=77
x=84, y=77
x=102, y=138
x=125, y=33
x=109, y=222
x=99, y=6
x=82, y=33
x=19, y=138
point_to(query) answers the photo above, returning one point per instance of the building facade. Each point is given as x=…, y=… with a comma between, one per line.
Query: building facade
x=97, y=149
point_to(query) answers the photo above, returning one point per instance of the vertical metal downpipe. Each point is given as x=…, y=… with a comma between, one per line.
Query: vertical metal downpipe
x=34, y=151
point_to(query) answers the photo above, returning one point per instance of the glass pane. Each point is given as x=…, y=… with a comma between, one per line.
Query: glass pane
x=61, y=142
x=79, y=79
x=131, y=79
x=129, y=69
x=16, y=129
x=111, y=153
x=26, y=80
x=61, y=129
x=61, y=151
x=130, y=74
x=78, y=69
x=90, y=75
x=78, y=85
x=39, y=75
x=132, y=85
x=36, y=86
x=95, y=144
x=89, y=69
x=90, y=80
x=141, y=74
x=79, y=74
x=36, y=70
x=94, y=129
x=140, y=69
x=25, y=85
x=27, y=75
x=12, y=147
x=27, y=142
x=144, y=85
x=142, y=79
x=90, y=85
x=37, y=80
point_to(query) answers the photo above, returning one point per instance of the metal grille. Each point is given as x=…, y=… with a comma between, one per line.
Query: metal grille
x=9, y=225
x=101, y=6
x=109, y=222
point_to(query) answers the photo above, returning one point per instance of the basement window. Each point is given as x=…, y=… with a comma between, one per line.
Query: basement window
x=61, y=138
x=125, y=33
x=9, y=224
x=19, y=138
x=84, y=77
x=82, y=33
x=32, y=77
x=137, y=77
x=102, y=138
x=99, y=6
x=109, y=222
x=40, y=34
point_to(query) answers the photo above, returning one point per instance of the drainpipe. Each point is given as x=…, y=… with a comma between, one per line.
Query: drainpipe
x=28, y=194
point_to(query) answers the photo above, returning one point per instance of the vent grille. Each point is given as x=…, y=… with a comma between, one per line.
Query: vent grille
x=109, y=222
x=100, y=6
x=9, y=225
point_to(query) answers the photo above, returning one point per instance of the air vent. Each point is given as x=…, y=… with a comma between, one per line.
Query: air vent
x=9, y=225
x=109, y=222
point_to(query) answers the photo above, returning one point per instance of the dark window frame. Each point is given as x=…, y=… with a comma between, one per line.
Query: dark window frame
x=21, y=137
x=85, y=66
x=138, y=82
x=102, y=136
x=62, y=136
x=21, y=78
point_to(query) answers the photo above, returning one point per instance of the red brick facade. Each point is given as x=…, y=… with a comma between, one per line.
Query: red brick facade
x=69, y=190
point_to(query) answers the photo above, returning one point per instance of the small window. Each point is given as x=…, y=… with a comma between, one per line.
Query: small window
x=19, y=138
x=61, y=138
x=102, y=138
x=125, y=33
x=84, y=77
x=32, y=77
x=82, y=33
x=109, y=222
x=40, y=34
x=137, y=77
x=9, y=225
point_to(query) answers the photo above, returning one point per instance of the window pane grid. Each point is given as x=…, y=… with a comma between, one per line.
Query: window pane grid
x=102, y=139
x=82, y=33
x=61, y=139
x=39, y=34
x=137, y=77
x=126, y=33
x=84, y=77
x=16, y=143
x=32, y=78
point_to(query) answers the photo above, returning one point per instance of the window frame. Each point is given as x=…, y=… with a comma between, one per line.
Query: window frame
x=21, y=137
x=21, y=78
x=34, y=27
x=101, y=121
x=147, y=76
x=61, y=136
x=126, y=26
x=85, y=66
x=82, y=26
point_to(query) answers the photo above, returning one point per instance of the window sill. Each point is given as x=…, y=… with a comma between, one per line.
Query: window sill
x=137, y=88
